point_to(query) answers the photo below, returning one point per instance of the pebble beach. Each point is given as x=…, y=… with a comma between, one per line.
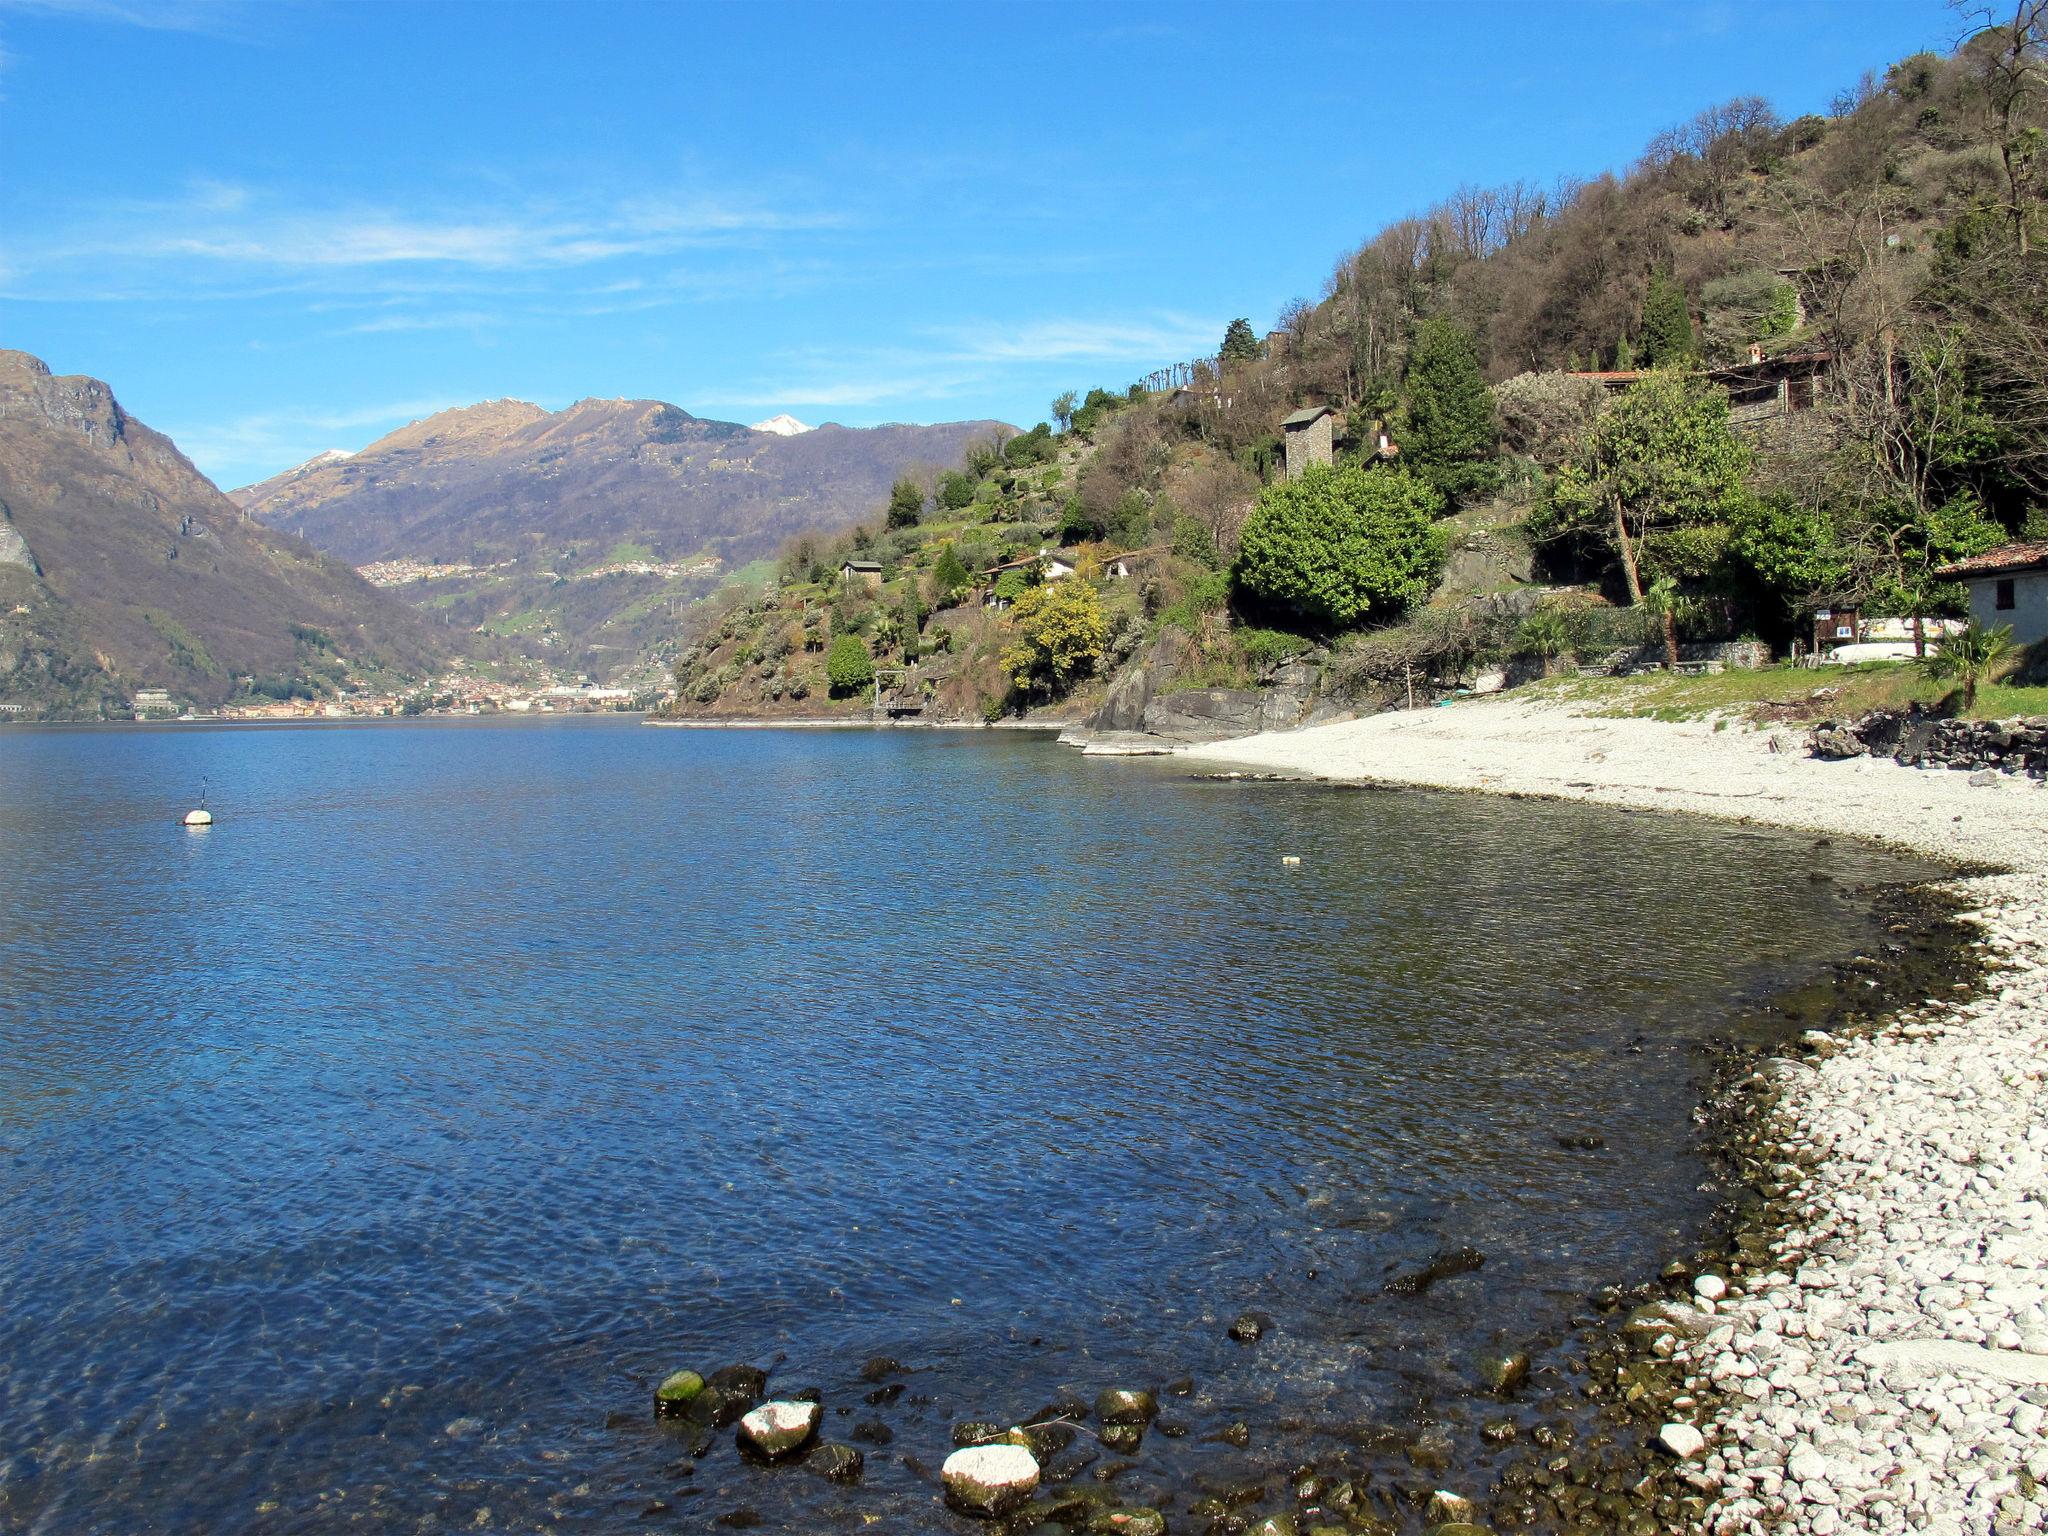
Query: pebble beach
x=1888, y=1369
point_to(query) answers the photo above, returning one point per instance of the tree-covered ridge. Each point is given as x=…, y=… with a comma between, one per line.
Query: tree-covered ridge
x=1531, y=395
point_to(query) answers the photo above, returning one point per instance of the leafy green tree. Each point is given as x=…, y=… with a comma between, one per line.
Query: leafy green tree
x=848, y=666
x=1667, y=322
x=956, y=490
x=1625, y=355
x=1452, y=436
x=1793, y=550
x=950, y=577
x=1240, y=342
x=1661, y=457
x=906, y=503
x=1063, y=408
x=1971, y=658
x=1060, y=634
x=1337, y=545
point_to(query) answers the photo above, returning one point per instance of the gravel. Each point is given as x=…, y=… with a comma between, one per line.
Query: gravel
x=1889, y=1370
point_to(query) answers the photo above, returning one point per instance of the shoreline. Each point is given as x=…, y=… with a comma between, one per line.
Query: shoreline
x=1880, y=1361
x=831, y=723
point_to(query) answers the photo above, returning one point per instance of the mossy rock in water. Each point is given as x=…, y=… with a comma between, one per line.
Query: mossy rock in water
x=1505, y=1371
x=1044, y=1441
x=1121, y=1405
x=1128, y=1522
x=976, y=1432
x=672, y=1399
x=1273, y=1525
x=1458, y=1528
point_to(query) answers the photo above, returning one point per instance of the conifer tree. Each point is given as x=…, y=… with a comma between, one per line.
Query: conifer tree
x=1240, y=342
x=1452, y=437
x=1667, y=323
x=1625, y=355
x=949, y=576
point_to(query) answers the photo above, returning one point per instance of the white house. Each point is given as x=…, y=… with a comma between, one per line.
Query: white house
x=2008, y=588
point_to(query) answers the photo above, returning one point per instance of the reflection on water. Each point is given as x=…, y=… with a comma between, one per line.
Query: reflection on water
x=365, y=1159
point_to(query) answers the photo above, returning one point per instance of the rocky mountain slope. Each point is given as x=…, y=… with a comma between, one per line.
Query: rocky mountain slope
x=504, y=479
x=122, y=567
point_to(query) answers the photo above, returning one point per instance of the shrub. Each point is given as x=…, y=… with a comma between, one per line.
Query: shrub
x=1337, y=545
x=1264, y=648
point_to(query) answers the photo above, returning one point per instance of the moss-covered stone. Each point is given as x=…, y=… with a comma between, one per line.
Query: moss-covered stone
x=672, y=1399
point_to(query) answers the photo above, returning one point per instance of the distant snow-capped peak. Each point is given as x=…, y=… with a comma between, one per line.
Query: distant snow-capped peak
x=329, y=457
x=781, y=426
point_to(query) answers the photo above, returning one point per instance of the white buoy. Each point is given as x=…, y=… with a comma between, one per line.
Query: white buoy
x=199, y=818
x=1290, y=858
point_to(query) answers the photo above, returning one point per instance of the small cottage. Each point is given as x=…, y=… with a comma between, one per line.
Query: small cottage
x=866, y=572
x=2008, y=588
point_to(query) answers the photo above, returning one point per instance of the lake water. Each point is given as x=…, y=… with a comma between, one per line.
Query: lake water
x=366, y=1159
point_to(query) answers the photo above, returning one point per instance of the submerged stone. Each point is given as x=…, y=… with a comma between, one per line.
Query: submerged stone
x=740, y=1378
x=836, y=1463
x=1128, y=1522
x=976, y=1432
x=1249, y=1328
x=1122, y=1438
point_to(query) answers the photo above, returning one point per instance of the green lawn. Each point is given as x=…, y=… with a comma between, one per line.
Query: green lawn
x=1783, y=693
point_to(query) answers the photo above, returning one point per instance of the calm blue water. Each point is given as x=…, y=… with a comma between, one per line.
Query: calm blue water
x=365, y=1159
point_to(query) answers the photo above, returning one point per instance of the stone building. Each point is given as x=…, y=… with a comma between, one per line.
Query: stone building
x=1311, y=438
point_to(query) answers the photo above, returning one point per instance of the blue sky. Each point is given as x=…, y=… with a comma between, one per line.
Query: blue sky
x=278, y=228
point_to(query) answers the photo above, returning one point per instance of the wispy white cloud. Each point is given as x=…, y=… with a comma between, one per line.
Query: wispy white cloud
x=220, y=239
x=441, y=320
x=1171, y=338
x=958, y=361
x=218, y=18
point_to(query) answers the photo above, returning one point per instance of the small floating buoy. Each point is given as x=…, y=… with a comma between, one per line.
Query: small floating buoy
x=1290, y=858
x=199, y=818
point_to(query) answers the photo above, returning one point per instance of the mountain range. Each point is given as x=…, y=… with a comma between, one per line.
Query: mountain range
x=122, y=567
x=506, y=478
x=583, y=533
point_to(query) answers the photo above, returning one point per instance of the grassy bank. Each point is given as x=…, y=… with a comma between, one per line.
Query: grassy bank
x=1783, y=694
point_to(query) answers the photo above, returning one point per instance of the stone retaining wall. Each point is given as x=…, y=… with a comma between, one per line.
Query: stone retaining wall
x=1922, y=740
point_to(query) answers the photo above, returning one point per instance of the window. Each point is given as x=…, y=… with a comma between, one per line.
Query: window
x=2002, y=595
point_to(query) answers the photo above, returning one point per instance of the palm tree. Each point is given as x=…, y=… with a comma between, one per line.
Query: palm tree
x=1663, y=602
x=1970, y=658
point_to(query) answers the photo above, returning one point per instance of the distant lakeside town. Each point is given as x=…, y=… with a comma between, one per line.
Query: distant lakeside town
x=460, y=694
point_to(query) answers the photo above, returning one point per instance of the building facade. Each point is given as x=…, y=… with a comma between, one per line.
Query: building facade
x=2008, y=588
